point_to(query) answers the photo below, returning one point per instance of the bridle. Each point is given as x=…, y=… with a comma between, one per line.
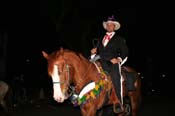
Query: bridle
x=68, y=73
x=72, y=89
x=67, y=81
x=84, y=77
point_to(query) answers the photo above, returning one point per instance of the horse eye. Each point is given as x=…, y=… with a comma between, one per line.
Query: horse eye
x=59, y=69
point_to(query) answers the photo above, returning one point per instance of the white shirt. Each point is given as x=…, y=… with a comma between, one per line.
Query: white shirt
x=106, y=41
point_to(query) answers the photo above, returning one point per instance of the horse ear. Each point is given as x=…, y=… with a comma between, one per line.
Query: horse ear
x=61, y=51
x=45, y=55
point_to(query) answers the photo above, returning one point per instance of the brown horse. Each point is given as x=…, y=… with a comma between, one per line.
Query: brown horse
x=4, y=88
x=93, y=88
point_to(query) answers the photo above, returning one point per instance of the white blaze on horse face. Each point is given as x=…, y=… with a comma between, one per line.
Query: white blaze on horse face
x=58, y=95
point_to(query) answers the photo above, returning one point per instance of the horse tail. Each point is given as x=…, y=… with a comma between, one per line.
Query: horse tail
x=138, y=89
x=136, y=96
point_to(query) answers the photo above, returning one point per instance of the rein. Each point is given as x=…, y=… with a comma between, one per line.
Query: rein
x=67, y=70
x=72, y=89
x=84, y=77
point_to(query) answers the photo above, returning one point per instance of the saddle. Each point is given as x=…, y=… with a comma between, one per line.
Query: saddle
x=128, y=77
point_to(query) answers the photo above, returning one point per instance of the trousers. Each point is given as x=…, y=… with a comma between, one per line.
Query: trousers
x=114, y=71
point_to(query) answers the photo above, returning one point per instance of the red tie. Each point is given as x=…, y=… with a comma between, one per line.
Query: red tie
x=107, y=37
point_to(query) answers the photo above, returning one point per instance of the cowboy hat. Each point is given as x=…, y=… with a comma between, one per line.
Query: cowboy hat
x=111, y=20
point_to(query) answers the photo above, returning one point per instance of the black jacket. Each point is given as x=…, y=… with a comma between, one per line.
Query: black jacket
x=116, y=47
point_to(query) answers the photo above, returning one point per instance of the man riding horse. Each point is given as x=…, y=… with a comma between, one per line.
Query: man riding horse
x=112, y=51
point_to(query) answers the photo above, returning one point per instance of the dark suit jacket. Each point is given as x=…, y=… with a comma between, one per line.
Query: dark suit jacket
x=116, y=47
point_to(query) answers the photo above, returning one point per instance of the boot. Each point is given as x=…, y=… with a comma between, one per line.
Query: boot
x=118, y=108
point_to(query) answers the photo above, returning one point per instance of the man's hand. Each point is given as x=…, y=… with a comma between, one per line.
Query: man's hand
x=115, y=60
x=94, y=51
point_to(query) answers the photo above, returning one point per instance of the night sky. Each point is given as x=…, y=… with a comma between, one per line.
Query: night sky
x=33, y=26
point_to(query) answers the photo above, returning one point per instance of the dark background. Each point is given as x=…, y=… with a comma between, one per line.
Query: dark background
x=28, y=27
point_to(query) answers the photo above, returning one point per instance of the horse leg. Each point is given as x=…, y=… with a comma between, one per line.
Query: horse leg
x=100, y=112
x=133, y=103
x=88, y=110
x=122, y=114
x=135, y=97
x=4, y=106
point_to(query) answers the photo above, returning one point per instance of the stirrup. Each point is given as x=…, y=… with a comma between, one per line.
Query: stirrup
x=117, y=108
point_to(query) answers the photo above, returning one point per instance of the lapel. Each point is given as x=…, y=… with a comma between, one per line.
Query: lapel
x=111, y=41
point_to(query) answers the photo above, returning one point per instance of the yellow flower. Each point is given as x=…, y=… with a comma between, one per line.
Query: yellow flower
x=92, y=94
x=87, y=97
x=101, y=82
x=96, y=87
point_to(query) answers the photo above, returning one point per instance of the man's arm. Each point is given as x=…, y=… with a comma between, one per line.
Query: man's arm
x=123, y=49
x=123, y=53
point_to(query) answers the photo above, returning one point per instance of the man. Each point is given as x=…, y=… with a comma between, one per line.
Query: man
x=112, y=51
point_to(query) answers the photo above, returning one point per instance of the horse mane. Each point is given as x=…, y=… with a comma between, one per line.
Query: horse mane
x=80, y=56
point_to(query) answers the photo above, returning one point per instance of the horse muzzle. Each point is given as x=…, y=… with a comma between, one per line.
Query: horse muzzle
x=59, y=99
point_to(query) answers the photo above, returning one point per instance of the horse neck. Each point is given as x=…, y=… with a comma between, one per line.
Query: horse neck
x=81, y=68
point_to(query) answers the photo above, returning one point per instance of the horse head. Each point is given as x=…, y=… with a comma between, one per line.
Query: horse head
x=58, y=70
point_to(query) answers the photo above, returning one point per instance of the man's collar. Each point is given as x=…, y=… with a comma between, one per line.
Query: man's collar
x=110, y=33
